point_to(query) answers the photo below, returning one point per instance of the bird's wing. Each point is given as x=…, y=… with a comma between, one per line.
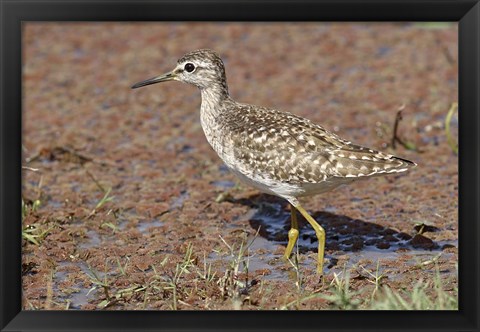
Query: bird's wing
x=294, y=149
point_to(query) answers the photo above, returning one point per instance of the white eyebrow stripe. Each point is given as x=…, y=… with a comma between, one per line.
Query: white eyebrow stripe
x=198, y=64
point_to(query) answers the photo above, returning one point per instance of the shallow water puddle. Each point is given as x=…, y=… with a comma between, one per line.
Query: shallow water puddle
x=93, y=240
x=78, y=295
x=225, y=184
x=178, y=202
x=144, y=225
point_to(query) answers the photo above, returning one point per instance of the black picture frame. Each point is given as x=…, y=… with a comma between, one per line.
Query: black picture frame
x=14, y=12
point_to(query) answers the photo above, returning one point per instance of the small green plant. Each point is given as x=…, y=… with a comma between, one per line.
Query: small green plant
x=206, y=273
x=29, y=208
x=172, y=283
x=123, y=267
x=169, y=284
x=34, y=233
x=375, y=279
x=416, y=299
x=105, y=199
x=112, y=295
x=296, y=269
x=340, y=296
x=230, y=285
x=110, y=225
x=425, y=295
x=100, y=283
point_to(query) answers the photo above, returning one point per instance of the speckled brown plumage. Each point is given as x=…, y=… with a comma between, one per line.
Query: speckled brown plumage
x=291, y=149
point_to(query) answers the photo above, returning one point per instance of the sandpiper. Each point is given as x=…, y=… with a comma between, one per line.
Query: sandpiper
x=276, y=152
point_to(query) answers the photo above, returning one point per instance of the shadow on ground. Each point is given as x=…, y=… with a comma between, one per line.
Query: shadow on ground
x=272, y=219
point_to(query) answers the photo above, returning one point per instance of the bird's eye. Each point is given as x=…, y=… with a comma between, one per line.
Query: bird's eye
x=189, y=67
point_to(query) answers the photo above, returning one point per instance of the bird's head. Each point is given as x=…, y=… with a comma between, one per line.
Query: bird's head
x=202, y=68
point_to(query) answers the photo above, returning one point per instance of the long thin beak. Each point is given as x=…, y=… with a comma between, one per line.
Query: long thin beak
x=162, y=78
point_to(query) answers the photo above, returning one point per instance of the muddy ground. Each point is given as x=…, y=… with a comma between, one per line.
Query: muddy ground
x=126, y=206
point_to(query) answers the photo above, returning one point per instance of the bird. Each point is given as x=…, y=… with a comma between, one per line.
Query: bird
x=276, y=152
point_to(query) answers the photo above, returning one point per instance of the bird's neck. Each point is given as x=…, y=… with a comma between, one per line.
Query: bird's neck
x=215, y=101
x=213, y=97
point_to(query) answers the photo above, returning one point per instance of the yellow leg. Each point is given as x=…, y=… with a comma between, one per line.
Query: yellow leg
x=292, y=233
x=319, y=231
